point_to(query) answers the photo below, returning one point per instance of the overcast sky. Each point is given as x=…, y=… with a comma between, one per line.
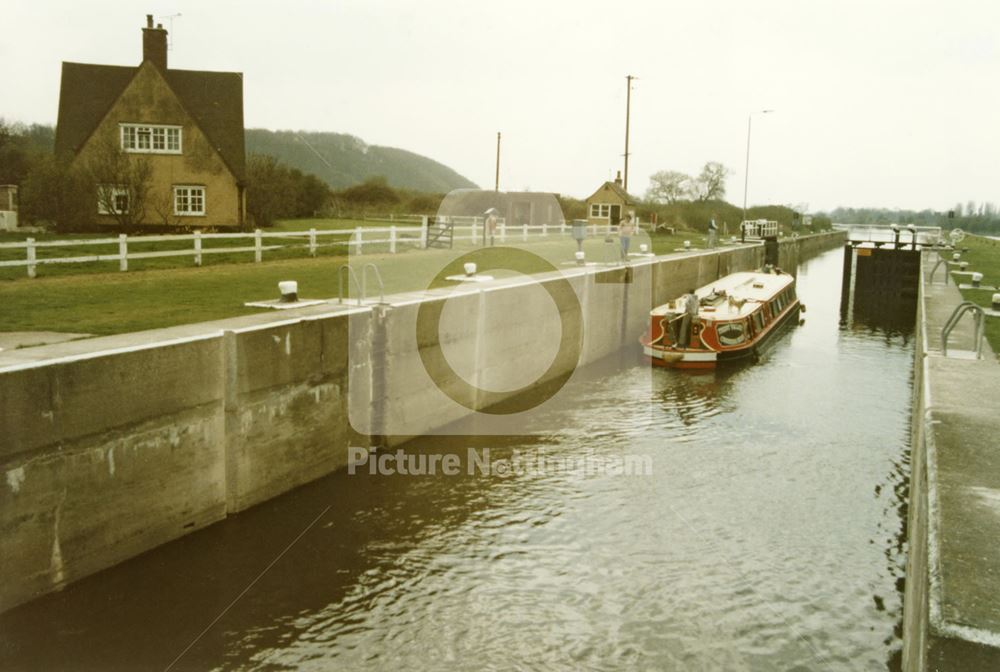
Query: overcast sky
x=877, y=103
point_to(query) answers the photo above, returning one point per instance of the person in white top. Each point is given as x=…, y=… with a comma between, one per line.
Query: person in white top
x=625, y=230
x=490, y=225
x=691, y=306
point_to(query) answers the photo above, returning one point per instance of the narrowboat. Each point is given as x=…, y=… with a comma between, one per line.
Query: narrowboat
x=736, y=316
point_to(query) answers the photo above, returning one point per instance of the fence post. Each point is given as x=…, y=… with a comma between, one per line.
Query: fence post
x=423, y=232
x=312, y=242
x=122, y=252
x=357, y=234
x=31, y=257
x=562, y=226
x=524, y=231
x=197, y=248
x=392, y=239
x=545, y=229
x=258, y=251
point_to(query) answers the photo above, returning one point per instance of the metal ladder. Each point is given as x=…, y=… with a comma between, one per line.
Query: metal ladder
x=362, y=285
x=980, y=326
x=941, y=260
x=351, y=275
x=378, y=278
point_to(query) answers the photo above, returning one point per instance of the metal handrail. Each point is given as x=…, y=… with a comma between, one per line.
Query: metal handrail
x=980, y=326
x=378, y=277
x=340, y=284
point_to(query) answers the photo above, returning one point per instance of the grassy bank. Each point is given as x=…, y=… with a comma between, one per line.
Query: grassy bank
x=984, y=257
x=115, y=302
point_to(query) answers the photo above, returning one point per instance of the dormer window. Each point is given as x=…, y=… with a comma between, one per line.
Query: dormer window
x=150, y=139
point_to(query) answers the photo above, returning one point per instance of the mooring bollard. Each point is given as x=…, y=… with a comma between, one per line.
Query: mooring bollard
x=976, y=279
x=289, y=290
x=996, y=301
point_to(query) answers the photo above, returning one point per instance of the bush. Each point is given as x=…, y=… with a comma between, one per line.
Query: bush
x=274, y=191
x=373, y=192
x=424, y=204
x=53, y=192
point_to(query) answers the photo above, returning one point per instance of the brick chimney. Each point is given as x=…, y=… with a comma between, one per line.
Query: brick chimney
x=618, y=178
x=154, y=43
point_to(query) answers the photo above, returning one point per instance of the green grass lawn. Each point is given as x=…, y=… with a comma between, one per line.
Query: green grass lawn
x=106, y=301
x=984, y=257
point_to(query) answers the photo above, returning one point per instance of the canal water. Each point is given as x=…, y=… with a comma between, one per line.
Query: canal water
x=764, y=532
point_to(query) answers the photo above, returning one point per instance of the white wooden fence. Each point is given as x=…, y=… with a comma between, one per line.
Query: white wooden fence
x=471, y=228
x=355, y=240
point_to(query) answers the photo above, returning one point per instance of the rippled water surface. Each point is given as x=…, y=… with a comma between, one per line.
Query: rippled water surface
x=768, y=536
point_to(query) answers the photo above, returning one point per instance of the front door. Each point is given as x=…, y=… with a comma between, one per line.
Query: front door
x=616, y=214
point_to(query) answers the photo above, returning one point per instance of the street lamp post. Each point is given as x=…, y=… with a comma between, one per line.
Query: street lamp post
x=746, y=175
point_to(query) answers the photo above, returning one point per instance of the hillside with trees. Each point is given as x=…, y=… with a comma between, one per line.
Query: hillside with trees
x=343, y=160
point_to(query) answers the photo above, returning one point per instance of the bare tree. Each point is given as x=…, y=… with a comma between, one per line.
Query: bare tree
x=710, y=185
x=162, y=204
x=122, y=181
x=668, y=186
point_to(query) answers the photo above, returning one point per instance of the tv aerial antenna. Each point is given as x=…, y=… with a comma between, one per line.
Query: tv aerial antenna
x=170, y=32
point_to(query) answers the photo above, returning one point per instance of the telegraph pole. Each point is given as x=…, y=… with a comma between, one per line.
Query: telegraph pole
x=628, y=111
x=496, y=184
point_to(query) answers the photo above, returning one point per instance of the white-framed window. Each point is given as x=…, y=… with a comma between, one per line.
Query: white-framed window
x=151, y=138
x=112, y=200
x=189, y=200
x=601, y=210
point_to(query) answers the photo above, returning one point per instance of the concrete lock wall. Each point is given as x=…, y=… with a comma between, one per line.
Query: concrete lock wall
x=112, y=446
x=951, y=620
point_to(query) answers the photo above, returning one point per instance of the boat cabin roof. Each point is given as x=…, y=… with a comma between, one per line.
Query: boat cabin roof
x=747, y=291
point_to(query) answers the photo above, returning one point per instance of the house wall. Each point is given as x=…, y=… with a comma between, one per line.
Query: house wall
x=605, y=195
x=149, y=99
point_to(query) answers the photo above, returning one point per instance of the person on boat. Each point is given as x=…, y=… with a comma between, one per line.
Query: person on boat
x=690, y=305
x=625, y=230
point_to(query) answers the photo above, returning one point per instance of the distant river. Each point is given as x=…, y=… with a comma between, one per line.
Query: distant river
x=769, y=536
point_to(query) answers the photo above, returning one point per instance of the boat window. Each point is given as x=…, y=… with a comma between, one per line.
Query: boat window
x=758, y=320
x=731, y=333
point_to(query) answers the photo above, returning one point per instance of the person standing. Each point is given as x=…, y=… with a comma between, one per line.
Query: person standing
x=713, y=232
x=690, y=304
x=490, y=225
x=625, y=230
